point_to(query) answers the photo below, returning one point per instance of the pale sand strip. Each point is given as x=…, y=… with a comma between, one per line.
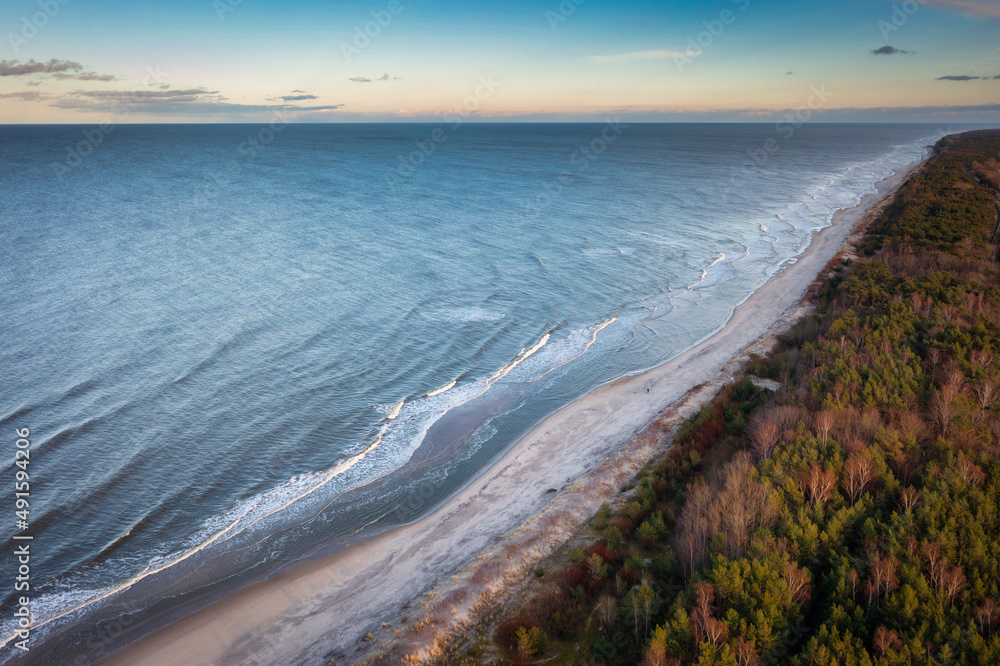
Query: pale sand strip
x=323, y=607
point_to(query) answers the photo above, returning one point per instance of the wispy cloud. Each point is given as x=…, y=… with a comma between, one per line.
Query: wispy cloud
x=296, y=98
x=890, y=50
x=365, y=79
x=657, y=54
x=146, y=94
x=58, y=69
x=979, y=8
x=26, y=95
x=958, y=77
x=187, y=102
x=17, y=68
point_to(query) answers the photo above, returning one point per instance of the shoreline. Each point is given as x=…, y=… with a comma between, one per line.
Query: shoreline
x=295, y=616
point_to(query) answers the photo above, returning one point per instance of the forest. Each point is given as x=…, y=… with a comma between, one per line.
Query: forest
x=851, y=516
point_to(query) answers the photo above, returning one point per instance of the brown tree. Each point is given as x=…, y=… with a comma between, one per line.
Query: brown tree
x=745, y=652
x=886, y=640
x=822, y=424
x=910, y=497
x=798, y=584
x=942, y=406
x=987, y=614
x=820, y=484
x=764, y=439
x=859, y=470
x=953, y=582
x=986, y=394
x=971, y=473
x=607, y=610
x=882, y=578
x=980, y=359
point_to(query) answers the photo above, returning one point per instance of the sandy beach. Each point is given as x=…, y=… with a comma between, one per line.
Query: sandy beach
x=321, y=609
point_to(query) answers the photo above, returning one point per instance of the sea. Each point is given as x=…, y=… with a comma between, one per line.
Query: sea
x=238, y=347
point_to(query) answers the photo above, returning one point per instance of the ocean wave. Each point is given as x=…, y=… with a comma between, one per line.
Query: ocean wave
x=286, y=505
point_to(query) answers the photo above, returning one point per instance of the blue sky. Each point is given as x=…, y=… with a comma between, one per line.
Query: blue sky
x=729, y=60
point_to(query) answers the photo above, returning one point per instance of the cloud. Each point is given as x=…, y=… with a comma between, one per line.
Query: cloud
x=298, y=91
x=365, y=79
x=85, y=76
x=17, y=68
x=977, y=8
x=956, y=77
x=188, y=102
x=889, y=50
x=659, y=54
x=59, y=69
x=296, y=98
x=789, y=73
x=91, y=76
x=146, y=94
x=26, y=95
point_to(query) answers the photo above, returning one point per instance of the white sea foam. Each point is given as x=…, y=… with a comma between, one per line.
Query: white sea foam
x=395, y=410
x=444, y=388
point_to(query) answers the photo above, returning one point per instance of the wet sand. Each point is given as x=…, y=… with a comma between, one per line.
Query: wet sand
x=322, y=608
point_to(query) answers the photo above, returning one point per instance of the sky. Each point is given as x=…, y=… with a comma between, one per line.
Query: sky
x=104, y=61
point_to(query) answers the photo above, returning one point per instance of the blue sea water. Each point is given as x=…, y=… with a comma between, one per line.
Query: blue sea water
x=238, y=346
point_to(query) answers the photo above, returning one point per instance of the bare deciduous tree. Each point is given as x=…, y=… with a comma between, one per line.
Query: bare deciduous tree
x=764, y=439
x=745, y=652
x=607, y=610
x=820, y=484
x=910, y=497
x=886, y=640
x=980, y=359
x=798, y=584
x=822, y=424
x=859, y=470
x=987, y=614
x=971, y=473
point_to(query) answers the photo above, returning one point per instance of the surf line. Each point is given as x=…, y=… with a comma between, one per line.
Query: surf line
x=499, y=374
x=442, y=389
x=395, y=410
x=150, y=571
x=332, y=473
x=593, y=339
